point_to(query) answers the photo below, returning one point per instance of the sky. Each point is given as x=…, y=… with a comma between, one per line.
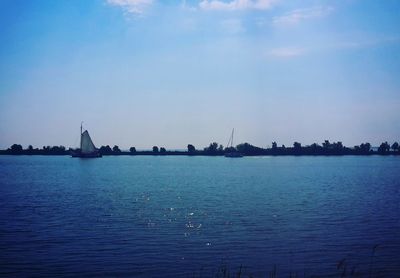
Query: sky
x=172, y=73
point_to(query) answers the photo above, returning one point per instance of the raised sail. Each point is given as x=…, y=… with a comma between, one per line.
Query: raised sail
x=87, y=145
x=88, y=149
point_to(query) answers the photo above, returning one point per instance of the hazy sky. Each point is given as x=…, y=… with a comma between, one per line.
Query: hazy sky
x=169, y=73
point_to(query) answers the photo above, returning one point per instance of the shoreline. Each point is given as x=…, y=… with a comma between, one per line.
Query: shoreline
x=150, y=153
x=214, y=149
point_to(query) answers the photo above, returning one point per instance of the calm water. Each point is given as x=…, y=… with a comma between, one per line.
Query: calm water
x=179, y=216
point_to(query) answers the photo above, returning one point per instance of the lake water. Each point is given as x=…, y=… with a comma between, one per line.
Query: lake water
x=172, y=216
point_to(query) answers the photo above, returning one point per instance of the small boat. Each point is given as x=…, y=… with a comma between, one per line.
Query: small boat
x=232, y=152
x=87, y=149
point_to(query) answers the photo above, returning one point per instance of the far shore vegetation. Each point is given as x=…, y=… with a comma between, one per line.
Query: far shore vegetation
x=215, y=149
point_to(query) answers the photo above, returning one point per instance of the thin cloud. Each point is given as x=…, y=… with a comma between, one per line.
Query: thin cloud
x=136, y=7
x=296, y=16
x=286, y=52
x=354, y=44
x=292, y=52
x=236, y=5
x=187, y=7
x=232, y=26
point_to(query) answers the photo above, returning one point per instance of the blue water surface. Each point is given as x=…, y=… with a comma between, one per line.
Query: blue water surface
x=170, y=216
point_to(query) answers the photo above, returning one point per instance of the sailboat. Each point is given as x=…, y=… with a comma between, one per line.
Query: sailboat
x=88, y=149
x=232, y=151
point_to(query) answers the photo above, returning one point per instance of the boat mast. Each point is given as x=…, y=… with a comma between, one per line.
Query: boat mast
x=233, y=130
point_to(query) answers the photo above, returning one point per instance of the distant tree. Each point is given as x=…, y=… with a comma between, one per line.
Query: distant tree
x=326, y=144
x=105, y=149
x=296, y=145
x=248, y=149
x=221, y=148
x=191, y=148
x=283, y=147
x=338, y=145
x=384, y=148
x=116, y=149
x=16, y=148
x=162, y=150
x=155, y=149
x=364, y=147
x=395, y=146
x=57, y=150
x=212, y=148
x=274, y=145
x=314, y=146
x=47, y=150
x=132, y=149
x=29, y=150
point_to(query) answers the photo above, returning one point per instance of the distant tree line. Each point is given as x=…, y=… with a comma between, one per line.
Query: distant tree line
x=17, y=149
x=215, y=149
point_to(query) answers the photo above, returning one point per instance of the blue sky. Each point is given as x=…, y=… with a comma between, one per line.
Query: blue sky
x=169, y=73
